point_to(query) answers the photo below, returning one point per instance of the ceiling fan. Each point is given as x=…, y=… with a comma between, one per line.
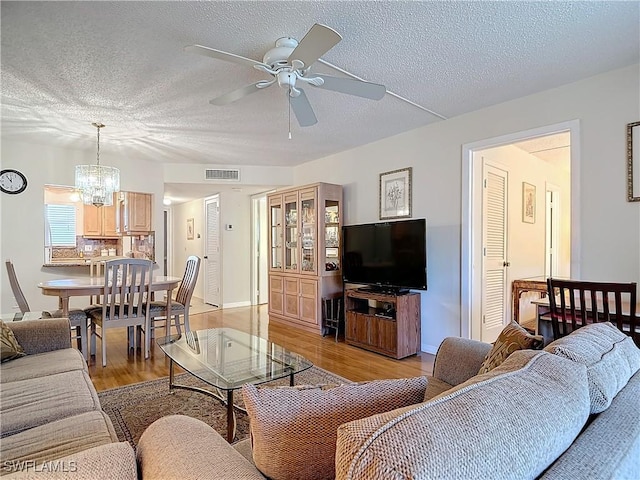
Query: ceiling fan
x=289, y=65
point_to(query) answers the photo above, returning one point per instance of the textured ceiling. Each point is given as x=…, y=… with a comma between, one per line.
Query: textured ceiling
x=67, y=64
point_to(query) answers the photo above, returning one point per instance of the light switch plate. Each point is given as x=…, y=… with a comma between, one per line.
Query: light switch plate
x=88, y=248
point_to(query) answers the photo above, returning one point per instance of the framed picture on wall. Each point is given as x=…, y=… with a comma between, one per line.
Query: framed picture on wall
x=189, y=228
x=528, y=203
x=395, y=194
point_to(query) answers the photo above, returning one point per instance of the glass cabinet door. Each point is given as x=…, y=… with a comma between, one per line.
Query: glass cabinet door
x=309, y=252
x=332, y=235
x=275, y=235
x=291, y=236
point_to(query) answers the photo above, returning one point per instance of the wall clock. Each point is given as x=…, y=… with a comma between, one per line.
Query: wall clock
x=12, y=181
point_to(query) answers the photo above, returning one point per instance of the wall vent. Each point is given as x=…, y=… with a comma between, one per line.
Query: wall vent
x=228, y=174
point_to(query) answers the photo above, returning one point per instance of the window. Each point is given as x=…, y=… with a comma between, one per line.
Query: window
x=60, y=221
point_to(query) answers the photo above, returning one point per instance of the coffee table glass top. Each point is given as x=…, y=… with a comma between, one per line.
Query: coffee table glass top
x=227, y=358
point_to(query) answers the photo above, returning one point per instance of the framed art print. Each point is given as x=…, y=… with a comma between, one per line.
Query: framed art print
x=189, y=228
x=395, y=194
x=528, y=203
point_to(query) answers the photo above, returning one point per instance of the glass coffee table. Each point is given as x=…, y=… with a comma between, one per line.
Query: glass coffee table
x=225, y=359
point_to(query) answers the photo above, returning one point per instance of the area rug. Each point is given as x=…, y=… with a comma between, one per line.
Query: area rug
x=133, y=408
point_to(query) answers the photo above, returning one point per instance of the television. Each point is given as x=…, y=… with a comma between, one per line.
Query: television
x=387, y=255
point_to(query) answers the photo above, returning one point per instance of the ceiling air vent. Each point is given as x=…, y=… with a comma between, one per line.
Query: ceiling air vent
x=229, y=174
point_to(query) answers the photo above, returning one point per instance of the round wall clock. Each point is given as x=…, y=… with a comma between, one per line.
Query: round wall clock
x=12, y=181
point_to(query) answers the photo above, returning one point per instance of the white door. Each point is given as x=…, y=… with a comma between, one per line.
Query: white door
x=494, y=252
x=212, y=266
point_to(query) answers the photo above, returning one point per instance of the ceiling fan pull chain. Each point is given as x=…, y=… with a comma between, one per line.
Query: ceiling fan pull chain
x=289, y=99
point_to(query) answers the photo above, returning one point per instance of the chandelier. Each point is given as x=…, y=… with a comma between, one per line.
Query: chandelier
x=97, y=183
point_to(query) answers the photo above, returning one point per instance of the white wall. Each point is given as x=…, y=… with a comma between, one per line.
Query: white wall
x=235, y=209
x=22, y=216
x=609, y=233
x=182, y=247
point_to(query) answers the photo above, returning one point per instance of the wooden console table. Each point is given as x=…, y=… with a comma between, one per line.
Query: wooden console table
x=518, y=287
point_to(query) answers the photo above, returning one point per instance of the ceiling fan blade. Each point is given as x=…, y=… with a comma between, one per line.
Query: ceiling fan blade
x=235, y=95
x=220, y=55
x=318, y=41
x=302, y=110
x=350, y=86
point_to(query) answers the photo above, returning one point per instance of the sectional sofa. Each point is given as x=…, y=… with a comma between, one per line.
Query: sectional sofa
x=568, y=412
x=50, y=417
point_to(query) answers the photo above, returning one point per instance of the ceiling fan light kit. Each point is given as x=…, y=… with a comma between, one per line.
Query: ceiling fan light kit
x=289, y=64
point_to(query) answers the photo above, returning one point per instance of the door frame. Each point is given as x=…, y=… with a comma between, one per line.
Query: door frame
x=552, y=230
x=471, y=231
x=259, y=258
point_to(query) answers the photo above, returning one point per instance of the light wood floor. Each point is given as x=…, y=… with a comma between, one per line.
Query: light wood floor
x=354, y=363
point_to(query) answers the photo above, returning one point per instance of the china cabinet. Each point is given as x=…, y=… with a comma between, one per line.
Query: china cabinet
x=304, y=252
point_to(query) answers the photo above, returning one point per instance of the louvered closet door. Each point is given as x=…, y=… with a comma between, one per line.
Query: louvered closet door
x=494, y=241
x=212, y=252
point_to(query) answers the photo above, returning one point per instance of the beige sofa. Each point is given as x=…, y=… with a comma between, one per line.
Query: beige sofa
x=50, y=417
x=531, y=417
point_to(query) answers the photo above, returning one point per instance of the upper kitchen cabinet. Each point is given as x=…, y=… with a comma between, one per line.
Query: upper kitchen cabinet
x=133, y=212
x=99, y=221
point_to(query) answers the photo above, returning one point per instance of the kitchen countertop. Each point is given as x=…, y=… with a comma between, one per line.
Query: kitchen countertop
x=71, y=262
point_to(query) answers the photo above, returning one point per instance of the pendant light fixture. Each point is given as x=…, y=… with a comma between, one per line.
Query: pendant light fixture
x=97, y=183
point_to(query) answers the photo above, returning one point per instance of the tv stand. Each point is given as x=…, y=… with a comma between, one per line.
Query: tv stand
x=384, y=322
x=384, y=290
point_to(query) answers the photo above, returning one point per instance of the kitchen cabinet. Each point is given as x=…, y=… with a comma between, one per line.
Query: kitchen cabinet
x=304, y=252
x=99, y=222
x=133, y=212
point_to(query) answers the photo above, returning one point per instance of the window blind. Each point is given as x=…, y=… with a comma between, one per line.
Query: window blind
x=62, y=224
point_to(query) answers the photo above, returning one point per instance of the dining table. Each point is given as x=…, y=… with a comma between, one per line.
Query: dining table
x=543, y=315
x=65, y=288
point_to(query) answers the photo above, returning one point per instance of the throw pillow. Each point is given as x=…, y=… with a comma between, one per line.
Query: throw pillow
x=10, y=347
x=294, y=430
x=512, y=338
x=610, y=356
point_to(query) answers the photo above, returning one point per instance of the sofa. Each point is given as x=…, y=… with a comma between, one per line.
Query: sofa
x=569, y=411
x=51, y=423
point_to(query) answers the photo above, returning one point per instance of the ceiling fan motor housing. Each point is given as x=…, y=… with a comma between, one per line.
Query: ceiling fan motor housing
x=279, y=56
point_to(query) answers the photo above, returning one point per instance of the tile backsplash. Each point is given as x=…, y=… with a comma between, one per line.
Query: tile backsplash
x=139, y=246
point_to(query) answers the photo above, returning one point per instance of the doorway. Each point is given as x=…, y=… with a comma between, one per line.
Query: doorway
x=525, y=234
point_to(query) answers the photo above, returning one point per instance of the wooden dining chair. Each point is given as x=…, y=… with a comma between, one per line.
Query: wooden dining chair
x=125, y=301
x=77, y=317
x=574, y=304
x=179, y=306
x=96, y=270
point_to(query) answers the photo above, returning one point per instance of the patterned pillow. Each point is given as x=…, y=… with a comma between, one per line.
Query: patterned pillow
x=512, y=338
x=294, y=429
x=10, y=347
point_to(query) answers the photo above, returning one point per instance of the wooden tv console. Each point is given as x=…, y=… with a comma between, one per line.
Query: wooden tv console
x=385, y=323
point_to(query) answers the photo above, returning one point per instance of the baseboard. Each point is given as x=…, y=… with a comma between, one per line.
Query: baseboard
x=429, y=349
x=246, y=303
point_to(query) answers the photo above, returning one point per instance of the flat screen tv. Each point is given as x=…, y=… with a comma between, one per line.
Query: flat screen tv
x=386, y=255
